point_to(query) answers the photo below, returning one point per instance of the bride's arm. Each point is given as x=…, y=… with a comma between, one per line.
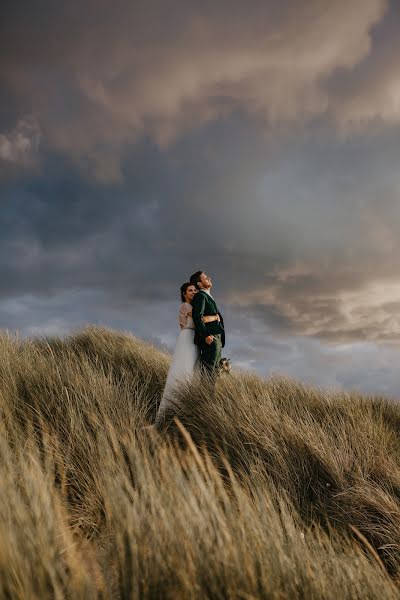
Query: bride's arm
x=205, y=319
x=183, y=315
x=210, y=318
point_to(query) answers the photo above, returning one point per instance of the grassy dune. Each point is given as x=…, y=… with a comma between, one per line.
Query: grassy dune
x=262, y=489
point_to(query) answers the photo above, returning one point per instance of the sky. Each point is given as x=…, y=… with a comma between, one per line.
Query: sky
x=259, y=142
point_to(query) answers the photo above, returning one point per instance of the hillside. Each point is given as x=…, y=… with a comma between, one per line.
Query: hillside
x=263, y=489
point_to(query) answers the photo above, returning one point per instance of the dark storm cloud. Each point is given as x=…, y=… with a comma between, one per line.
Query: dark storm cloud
x=296, y=240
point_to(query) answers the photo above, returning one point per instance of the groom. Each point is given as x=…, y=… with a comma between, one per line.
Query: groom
x=210, y=337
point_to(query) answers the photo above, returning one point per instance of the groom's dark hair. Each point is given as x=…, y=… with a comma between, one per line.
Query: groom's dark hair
x=195, y=278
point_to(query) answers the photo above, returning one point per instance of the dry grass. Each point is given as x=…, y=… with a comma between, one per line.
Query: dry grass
x=262, y=489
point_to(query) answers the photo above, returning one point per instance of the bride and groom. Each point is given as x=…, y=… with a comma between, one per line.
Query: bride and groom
x=201, y=338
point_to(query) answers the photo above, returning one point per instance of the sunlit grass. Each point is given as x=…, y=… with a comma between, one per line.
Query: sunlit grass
x=261, y=489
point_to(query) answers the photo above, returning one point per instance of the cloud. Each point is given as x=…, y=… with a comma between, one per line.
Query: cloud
x=20, y=145
x=368, y=94
x=292, y=231
x=158, y=71
x=369, y=311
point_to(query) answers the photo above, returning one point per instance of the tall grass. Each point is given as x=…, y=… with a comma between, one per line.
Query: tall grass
x=260, y=488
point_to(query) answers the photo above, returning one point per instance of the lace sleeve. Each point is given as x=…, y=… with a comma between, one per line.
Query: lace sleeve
x=183, y=314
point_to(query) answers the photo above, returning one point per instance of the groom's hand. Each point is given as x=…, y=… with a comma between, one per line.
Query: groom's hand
x=209, y=339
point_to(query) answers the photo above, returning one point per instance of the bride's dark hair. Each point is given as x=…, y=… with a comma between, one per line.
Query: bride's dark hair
x=184, y=287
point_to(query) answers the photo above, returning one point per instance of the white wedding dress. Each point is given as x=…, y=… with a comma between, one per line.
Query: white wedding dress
x=184, y=364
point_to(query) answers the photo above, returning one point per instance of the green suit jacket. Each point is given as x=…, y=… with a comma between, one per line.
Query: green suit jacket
x=204, y=305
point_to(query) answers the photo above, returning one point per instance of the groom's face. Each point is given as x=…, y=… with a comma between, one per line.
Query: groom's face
x=205, y=281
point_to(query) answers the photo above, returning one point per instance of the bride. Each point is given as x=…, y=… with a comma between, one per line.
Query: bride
x=186, y=358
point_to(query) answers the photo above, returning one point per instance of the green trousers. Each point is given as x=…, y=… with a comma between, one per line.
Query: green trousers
x=210, y=355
